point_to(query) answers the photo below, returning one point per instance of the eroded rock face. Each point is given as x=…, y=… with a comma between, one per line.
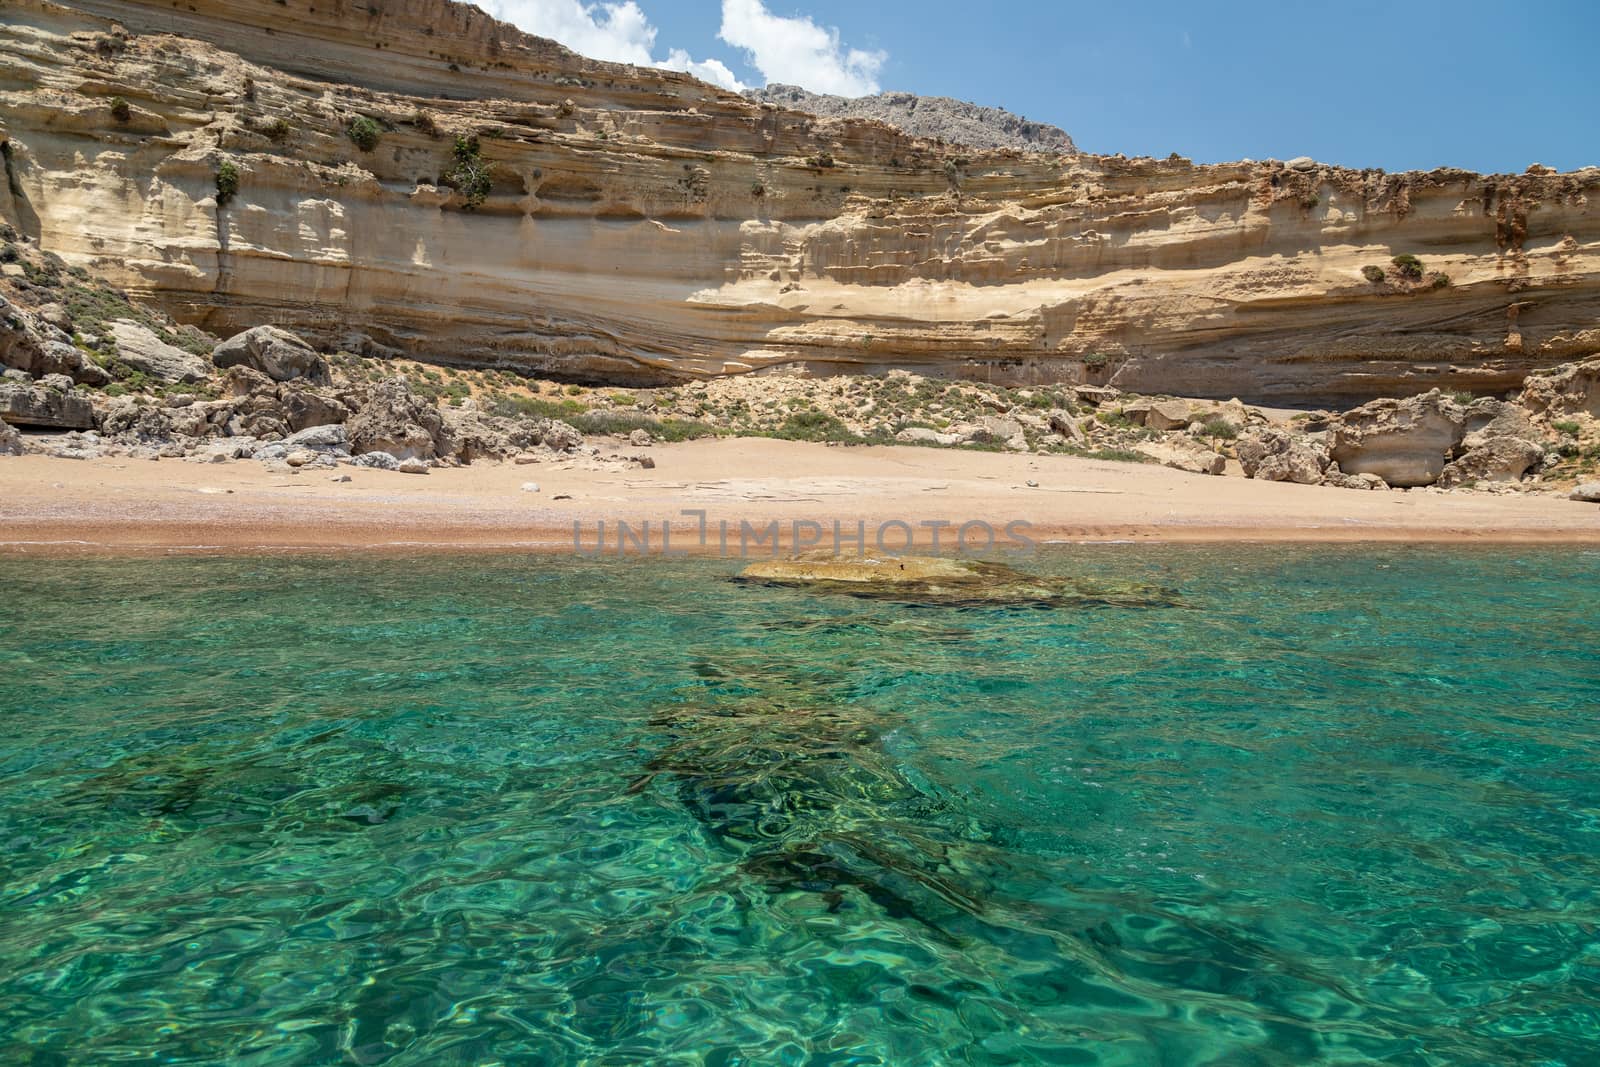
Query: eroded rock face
x=1405, y=442
x=791, y=241
x=23, y=404
x=1571, y=390
x=278, y=354
x=1275, y=456
x=10, y=440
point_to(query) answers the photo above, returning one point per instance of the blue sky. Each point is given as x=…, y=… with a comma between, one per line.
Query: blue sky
x=1487, y=86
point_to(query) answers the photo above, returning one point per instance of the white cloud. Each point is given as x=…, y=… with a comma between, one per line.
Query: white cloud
x=796, y=51
x=621, y=33
x=712, y=70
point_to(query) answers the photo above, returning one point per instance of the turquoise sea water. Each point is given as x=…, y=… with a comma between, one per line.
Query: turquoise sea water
x=1342, y=806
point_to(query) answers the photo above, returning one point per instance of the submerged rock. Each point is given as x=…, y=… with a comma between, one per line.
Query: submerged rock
x=948, y=581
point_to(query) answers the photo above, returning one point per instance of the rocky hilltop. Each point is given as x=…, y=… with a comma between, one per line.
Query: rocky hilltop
x=938, y=118
x=413, y=177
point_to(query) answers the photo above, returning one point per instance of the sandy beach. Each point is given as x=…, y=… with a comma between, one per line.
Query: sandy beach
x=899, y=494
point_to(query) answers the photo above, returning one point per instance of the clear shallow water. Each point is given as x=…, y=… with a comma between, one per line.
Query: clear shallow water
x=1344, y=807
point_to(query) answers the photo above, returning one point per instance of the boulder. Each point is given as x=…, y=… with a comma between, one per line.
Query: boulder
x=925, y=435
x=380, y=461
x=1195, y=459
x=1339, y=479
x=1570, y=390
x=1159, y=414
x=243, y=381
x=1095, y=395
x=1496, y=459
x=24, y=404
x=142, y=350
x=413, y=466
x=278, y=354
x=1275, y=456
x=10, y=440
x=1589, y=493
x=395, y=420
x=1405, y=442
x=1488, y=419
x=997, y=430
x=641, y=438
x=127, y=419
x=559, y=437
x=1064, y=425
x=303, y=409
x=319, y=439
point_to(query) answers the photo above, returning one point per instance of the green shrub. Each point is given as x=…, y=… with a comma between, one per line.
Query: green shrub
x=120, y=109
x=1409, y=266
x=227, y=181
x=1566, y=426
x=277, y=130
x=1441, y=281
x=821, y=161
x=1373, y=273
x=1220, y=428
x=1094, y=359
x=364, y=132
x=423, y=121
x=468, y=175
x=814, y=426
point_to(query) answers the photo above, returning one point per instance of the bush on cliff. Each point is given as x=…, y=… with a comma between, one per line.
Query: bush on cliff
x=227, y=181
x=364, y=132
x=468, y=175
x=1373, y=273
x=1409, y=266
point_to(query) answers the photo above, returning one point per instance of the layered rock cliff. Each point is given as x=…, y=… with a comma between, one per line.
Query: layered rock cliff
x=412, y=175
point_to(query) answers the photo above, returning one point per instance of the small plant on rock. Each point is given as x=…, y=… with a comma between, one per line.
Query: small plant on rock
x=1219, y=428
x=364, y=132
x=227, y=181
x=1441, y=281
x=276, y=131
x=1409, y=266
x=120, y=109
x=1373, y=273
x=1566, y=426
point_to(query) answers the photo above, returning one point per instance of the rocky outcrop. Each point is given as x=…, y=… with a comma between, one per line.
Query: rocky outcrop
x=1588, y=493
x=278, y=354
x=937, y=118
x=51, y=404
x=10, y=440
x=395, y=420
x=1404, y=442
x=33, y=344
x=618, y=224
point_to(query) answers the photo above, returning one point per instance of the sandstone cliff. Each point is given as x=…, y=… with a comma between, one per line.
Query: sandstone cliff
x=518, y=206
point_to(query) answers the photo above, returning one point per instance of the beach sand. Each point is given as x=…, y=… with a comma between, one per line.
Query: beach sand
x=126, y=505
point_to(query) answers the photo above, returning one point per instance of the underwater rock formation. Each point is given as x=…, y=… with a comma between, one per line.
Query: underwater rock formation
x=948, y=582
